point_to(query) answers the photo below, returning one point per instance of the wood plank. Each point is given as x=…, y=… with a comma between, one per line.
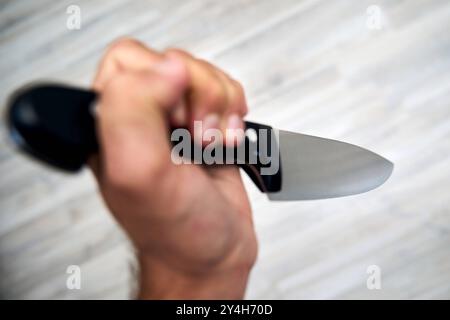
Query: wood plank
x=311, y=66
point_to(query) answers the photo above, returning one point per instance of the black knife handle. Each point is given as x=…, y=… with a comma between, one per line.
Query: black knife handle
x=56, y=125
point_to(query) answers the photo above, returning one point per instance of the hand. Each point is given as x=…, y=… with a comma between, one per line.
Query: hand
x=191, y=225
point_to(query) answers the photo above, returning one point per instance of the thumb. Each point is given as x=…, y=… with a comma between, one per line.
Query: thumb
x=132, y=122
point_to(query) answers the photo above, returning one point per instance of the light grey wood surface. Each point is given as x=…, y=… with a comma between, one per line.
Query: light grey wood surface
x=316, y=67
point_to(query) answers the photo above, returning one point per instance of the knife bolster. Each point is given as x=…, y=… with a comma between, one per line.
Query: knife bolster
x=262, y=157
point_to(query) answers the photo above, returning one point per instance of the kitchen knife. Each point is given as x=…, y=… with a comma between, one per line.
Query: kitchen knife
x=56, y=125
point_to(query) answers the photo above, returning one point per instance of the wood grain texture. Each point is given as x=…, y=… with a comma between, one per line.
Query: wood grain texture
x=311, y=66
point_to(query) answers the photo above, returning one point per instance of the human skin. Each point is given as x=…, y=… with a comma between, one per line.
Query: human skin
x=191, y=225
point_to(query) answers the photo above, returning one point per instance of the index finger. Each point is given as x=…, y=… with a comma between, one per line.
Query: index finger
x=124, y=55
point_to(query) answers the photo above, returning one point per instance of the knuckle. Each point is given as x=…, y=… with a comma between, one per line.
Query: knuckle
x=122, y=44
x=178, y=52
x=120, y=47
x=239, y=95
x=238, y=87
x=206, y=64
x=215, y=96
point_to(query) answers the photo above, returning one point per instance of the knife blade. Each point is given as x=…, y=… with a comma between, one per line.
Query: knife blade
x=55, y=124
x=319, y=168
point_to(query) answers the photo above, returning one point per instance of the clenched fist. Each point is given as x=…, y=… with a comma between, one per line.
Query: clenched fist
x=191, y=224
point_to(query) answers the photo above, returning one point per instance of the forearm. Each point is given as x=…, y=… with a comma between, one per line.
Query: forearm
x=158, y=281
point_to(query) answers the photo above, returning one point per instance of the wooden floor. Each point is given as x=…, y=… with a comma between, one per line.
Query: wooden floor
x=316, y=67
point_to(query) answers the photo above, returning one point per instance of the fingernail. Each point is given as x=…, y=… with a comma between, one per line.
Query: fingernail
x=234, y=122
x=234, y=132
x=211, y=121
x=179, y=114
